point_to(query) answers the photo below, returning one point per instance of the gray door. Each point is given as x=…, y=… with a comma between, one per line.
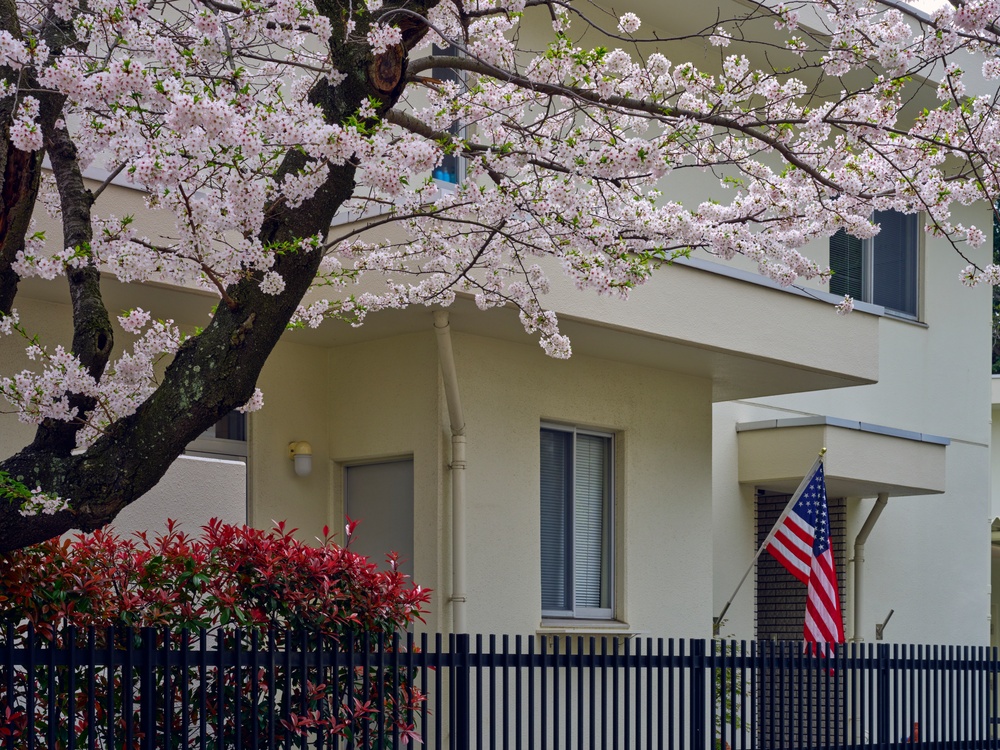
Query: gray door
x=380, y=497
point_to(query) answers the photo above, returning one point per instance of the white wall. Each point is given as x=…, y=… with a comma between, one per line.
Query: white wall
x=296, y=397
x=193, y=491
x=662, y=424
x=385, y=401
x=384, y=404
x=995, y=447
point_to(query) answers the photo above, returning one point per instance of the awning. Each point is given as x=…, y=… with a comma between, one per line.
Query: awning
x=862, y=459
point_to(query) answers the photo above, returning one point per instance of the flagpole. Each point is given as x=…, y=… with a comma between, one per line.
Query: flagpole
x=717, y=621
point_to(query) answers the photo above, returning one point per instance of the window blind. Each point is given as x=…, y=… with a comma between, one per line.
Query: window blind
x=847, y=264
x=894, y=262
x=556, y=481
x=590, y=521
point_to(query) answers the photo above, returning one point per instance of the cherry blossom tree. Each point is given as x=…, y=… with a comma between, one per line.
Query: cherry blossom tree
x=255, y=123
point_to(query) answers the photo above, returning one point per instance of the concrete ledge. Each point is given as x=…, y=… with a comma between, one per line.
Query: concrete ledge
x=862, y=459
x=847, y=424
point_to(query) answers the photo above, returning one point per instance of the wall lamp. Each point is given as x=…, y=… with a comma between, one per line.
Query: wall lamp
x=302, y=454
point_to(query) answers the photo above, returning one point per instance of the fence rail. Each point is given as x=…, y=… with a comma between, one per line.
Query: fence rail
x=277, y=688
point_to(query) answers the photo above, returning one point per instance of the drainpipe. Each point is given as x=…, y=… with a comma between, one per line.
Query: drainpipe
x=446, y=358
x=859, y=559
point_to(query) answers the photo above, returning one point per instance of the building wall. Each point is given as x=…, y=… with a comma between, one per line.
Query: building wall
x=995, y=597
x=927, y=557
x=296, y=402
x=995, y=447
x=193, y=491
x=662, y=422
x=995, y=511
x=383, y=399
x=384, y=404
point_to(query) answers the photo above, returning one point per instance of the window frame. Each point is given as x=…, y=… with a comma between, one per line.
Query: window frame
x=208, y=445
x=868, y=269
x=457, y=129
x=608, y=571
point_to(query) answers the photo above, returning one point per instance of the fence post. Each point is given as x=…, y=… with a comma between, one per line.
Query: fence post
x=882, y=704
x=147, y=694
x=460, y=734
x=698, y=707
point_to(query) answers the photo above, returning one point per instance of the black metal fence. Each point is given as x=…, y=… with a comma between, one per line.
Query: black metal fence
x=230, y=688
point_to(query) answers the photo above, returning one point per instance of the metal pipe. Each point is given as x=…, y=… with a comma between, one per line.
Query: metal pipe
x=446, y=359
x=859, y=559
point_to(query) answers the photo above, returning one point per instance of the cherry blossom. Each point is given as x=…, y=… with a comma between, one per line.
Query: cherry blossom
x=41, y=502
x=628, y=23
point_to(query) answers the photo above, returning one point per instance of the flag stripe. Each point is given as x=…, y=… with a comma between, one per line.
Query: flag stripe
x=794, y=565
x=795, y=543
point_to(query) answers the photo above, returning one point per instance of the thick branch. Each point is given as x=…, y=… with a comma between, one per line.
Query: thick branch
x=93, y=337
x=20, y=174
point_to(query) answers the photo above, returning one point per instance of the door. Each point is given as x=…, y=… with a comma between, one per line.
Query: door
x=380, y=497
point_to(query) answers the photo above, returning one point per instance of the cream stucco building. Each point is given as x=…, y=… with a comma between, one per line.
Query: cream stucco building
x=705, y=395
x=623, y=490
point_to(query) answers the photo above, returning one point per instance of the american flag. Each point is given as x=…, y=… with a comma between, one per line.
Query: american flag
x=802, y=544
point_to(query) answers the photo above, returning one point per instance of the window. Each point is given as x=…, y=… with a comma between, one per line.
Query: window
x=576, y=522
x=882, y=270
x=226, y=438
x=451, y=168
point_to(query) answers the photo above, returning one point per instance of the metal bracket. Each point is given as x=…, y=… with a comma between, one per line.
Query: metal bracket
x=880, y=627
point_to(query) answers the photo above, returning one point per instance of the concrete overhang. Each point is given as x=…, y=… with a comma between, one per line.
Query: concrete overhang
x=738, y=330
x=862, y=460
x=748, y=335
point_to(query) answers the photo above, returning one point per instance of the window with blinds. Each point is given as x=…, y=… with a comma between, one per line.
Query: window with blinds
x=883, y=270
x=576, y=522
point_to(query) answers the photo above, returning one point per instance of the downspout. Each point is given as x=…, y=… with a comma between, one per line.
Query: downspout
x=859, y=559
x=446, y=358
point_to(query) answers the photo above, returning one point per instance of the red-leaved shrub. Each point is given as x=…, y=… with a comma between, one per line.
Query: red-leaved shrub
x=231, y=589
x=227, y=574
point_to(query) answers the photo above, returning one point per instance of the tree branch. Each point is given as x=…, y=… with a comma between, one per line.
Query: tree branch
x=20, y=176
x=93, y=338
x=625, y=103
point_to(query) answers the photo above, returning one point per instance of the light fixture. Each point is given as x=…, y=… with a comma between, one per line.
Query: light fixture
x=302, y=454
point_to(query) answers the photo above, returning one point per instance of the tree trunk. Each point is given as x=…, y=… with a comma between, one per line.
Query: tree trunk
x=217, y=370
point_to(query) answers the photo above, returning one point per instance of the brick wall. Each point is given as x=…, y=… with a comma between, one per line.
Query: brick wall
x=781, y=599
x=783, y=693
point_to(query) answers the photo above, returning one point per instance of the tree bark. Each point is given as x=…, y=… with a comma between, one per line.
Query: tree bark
x=20, y=175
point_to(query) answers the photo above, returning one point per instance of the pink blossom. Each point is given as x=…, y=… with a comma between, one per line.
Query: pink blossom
x=628, y=23
x=570, y=154
x=382, y=36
